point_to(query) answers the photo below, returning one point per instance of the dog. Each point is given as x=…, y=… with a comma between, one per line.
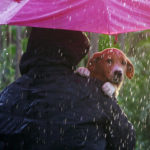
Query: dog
x=109, y=66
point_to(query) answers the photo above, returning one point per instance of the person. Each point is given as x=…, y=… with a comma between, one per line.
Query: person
x=52, y=108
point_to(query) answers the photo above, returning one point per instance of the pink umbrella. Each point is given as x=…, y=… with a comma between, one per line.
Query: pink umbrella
x=100, y=16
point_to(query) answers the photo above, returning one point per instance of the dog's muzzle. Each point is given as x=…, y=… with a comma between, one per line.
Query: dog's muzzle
x=117, y=76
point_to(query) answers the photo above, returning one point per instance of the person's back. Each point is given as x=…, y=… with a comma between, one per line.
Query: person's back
x=50, y=107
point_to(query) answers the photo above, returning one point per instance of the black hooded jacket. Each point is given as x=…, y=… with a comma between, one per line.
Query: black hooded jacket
x=51, y=108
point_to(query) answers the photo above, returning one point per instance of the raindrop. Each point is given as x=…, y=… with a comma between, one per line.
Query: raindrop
x=96, y=127
x=59, y=51
x=94, y=119
x=129, y=16
x=53, y=3
x=44, y=131
x=85, y=138
x=65, y=121
x=124, y=4
x=70, y=18
x=61, y=54
x=81, y=118
x=133, y=99
x=110, y=40
x=84, y=10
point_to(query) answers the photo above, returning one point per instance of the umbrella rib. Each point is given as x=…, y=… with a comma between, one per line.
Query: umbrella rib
x=106, y=4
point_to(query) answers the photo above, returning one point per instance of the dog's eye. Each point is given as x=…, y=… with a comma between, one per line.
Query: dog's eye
x=130, y=69
x=109, y=61
x=97, y=59
x=123, y=62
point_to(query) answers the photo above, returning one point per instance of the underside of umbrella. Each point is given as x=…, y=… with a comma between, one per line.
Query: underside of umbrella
x=100, y=16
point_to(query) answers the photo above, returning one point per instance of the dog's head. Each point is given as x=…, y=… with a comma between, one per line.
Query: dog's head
x=110, y=65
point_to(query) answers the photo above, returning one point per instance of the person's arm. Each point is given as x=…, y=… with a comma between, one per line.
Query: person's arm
x=120, y=133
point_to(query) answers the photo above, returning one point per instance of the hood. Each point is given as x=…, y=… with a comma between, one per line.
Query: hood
x=54, y=47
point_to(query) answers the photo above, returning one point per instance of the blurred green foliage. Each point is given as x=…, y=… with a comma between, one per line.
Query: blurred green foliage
x=134, y=96
x=8, y=53
x=107, y=41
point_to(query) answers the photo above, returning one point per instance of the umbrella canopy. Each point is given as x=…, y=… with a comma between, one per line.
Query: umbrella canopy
x=100, y=16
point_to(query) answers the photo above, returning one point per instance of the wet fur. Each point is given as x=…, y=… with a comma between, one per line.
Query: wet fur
x=100, y=69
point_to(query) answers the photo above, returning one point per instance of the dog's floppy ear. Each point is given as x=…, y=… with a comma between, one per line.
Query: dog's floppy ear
x=130, y=69
x=92, y=61
x=91, y=64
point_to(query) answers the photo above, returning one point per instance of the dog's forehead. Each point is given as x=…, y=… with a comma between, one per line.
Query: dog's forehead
x=108, y=53
x=113, y=52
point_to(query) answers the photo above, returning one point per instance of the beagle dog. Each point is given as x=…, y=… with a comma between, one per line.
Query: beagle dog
x=109, y=66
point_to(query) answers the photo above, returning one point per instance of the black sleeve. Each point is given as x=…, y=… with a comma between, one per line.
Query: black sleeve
x=106, y=113
x=120, y=133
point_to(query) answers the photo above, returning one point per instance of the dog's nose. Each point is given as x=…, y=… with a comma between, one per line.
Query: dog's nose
x=118, y=73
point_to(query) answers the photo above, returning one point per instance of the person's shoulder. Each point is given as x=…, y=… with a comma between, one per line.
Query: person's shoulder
x=20, y=82
x=13, y=91
x=87, y=82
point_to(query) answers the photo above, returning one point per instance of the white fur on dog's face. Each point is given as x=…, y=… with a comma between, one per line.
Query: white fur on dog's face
x=116, y=68
x=116, y=73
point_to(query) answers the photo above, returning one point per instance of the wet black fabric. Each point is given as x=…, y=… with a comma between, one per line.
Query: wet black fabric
x=49, y=46
x=52, y=108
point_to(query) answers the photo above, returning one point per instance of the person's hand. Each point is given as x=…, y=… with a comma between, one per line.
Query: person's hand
x=83, y=71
